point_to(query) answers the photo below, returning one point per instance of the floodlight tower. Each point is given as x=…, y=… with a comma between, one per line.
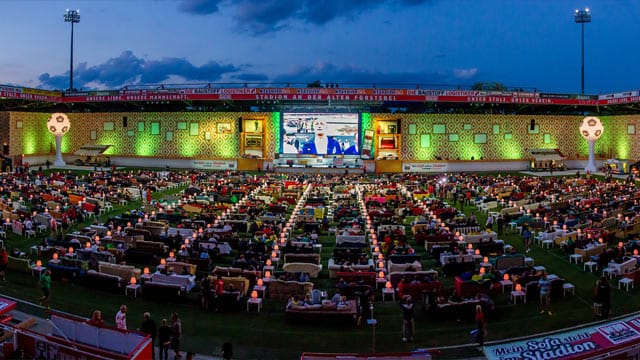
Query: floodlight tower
x=581, y=17
x=73, y=17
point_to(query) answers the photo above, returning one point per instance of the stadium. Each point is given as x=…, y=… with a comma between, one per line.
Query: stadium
x=202, y=196
x=404, y=140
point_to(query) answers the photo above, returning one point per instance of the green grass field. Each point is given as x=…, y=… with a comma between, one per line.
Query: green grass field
x=266, y=335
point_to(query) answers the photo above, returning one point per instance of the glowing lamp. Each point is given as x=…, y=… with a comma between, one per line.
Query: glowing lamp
x=171, y=254
x=482, y=270
x=108, y=232
x=38, y=263
x=381, y=274
x=274, y=254
x=259, y=282
x=505, y=277
x=374, y=242
x=133, y=280
x=518, y=287
x=388, y=285
x=469, y=246
x=139, y=220
x=635, y=252
x=477, y=252
x=186, y=241
x=129, y=224
x=276, y=247
x=600, y=240
x=620, y=244
x=163, y=262
x=461, y=238
x=484, y=259
x=376, y=249
x=70, y=250
x=381, y=265
x=254, y=294
x=564, y=227
x=267, y=274
x=555, y=222
x=55, y=256
x=268, y=262
x=97, y=238
x=145, y=271
x=457, y=233
x=87, y=245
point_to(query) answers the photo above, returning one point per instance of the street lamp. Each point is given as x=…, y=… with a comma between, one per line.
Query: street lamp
x=582, y=17
x=73, y=17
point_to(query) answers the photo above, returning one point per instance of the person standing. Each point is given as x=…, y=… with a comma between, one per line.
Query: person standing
x=545, y=294
x=602, y=294
x=176, y=334
x=227, y=351
x=408, y=326
x=148, y=326
x=526, y=238
x=121, y=318
x=45, y=287
x=164, y=339
x=481, y=327
x=4, y=261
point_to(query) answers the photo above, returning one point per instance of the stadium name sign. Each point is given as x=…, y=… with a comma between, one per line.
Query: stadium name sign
x=611, y=338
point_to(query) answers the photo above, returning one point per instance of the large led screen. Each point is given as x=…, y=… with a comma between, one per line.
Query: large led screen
x=320, y=134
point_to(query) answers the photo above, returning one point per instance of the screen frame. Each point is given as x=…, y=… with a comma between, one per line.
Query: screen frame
x=357, y=134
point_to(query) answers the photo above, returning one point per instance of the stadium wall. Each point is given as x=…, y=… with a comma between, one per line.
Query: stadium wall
x=204, y=135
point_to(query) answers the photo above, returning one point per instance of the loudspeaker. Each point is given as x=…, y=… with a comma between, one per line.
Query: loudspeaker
x=124, y=121
x=240, y=124
x=533, y=124
x=5, y=149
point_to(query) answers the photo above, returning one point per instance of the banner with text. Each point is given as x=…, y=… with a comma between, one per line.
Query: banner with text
x=618, y=339
x=214, y=164
x=424, y=167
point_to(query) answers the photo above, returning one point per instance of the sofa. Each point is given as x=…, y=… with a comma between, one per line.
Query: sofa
x=469, y=288
x=126, y=272
x=105, y=282
x=62, y=271
x=238, y=283
x=187, y=282
x=19, y=264
x=397, y=267
x=202, y=265
x=362, y=277
x=302, y=258
x=163, y=291
x=504, y=262
x=283, y=290
x=334, y=268
x=298, y=267
x=326, y=313
x=409, y=276
x=177, y=267
x=418, y=290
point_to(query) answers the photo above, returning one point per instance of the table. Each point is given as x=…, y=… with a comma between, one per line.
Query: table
x=505, y=283
x=515, y=294
x=260, y=290
x=257, y=302
x=135, y=288
x=568, y=287
x=575, y=257
x=388, y=291
x=37, y=270
x=590, y=265
x=626, y=282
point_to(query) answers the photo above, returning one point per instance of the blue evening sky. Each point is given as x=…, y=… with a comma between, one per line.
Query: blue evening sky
x=520, y=43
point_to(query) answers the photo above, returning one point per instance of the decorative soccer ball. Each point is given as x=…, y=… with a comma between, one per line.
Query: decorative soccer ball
x=58, y=124
x=591, y=128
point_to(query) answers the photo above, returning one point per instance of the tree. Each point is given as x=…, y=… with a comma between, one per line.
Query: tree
x=492, y=86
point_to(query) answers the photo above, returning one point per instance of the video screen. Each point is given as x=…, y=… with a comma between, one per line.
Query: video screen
x=320, y=134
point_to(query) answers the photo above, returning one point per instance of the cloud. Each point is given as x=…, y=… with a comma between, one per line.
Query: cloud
x=128, y=69
x=199, y=7
x=332, y=73
x=465, y=74
x=250, y=77
x=259, y=17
